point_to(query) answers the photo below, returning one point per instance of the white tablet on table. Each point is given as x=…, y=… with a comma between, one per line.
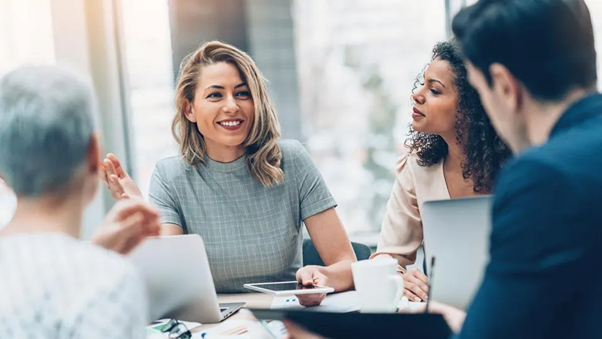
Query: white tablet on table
x=287, y=288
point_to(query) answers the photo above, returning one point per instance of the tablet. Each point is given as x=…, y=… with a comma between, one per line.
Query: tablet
x=361, y=326
x=287, y=288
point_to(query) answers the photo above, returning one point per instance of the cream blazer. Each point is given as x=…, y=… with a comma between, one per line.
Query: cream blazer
x=401, y=233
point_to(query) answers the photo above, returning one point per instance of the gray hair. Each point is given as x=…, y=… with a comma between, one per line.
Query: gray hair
x=46, y=124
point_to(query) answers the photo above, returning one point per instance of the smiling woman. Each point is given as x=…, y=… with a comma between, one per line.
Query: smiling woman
x=246, y=192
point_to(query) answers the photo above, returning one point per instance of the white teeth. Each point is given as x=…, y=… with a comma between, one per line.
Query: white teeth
x=230, y=123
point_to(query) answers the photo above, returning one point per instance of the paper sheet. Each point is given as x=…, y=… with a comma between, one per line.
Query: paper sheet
x=336, y=302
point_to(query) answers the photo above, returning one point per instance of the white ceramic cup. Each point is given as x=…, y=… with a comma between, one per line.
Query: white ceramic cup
x=379, y=287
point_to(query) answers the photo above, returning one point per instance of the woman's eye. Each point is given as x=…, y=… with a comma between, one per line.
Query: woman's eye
x=243, y=94
x=214, y=95
x=434, y=91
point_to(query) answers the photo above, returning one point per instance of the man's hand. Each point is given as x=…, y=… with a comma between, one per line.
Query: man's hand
x=311, y=276
x=128, y=223
x=416, y=285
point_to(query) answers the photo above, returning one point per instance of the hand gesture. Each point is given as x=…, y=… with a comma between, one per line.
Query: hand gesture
x=128, y=223
x=119, y=183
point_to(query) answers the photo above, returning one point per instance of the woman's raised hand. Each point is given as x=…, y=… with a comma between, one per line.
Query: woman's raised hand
x=119, y=183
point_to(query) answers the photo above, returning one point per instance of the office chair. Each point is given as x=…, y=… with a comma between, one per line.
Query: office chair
x=311, y=256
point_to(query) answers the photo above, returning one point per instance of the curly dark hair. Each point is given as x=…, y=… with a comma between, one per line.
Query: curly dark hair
x=484, y=151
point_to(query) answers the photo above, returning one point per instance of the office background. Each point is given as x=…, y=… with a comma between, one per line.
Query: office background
x=340, y=71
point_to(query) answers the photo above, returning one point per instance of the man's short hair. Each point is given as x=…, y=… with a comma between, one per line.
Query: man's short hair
x=548, y=45
x=46, y=124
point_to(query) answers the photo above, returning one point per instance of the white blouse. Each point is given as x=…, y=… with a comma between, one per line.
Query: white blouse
x=55, y=287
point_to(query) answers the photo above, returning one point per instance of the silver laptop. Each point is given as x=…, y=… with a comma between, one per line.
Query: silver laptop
x=179, y=281
x=456, y=233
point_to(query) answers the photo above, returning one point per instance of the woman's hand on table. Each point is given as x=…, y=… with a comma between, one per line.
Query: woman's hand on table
x=119, y=183
x=416, y=285
x=311, y=276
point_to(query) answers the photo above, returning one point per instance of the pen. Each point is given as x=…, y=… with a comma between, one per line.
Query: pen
x=429, y=293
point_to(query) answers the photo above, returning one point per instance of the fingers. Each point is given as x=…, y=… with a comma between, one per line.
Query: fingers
x=117, y=165
x=319, y=279
x=420, y=276
x=311, y=276
x=305, y=276
x=415, y=288
x=112, y=180
x=130, y=233
x=115, y=187
x=309, y=300
x=109, y=167
x=411, y=296
x=416, y=285
x=125, y=208
x=102, y=174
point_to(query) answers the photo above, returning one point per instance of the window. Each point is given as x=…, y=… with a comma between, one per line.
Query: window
x=25, y=38
x=148, y=58
x=357, y=62
x=595, y=10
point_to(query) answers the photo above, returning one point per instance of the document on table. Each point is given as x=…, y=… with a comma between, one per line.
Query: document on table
x=337, y=302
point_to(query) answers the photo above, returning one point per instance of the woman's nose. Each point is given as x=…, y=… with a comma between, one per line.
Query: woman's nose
x=230, y=105
x=418, y=97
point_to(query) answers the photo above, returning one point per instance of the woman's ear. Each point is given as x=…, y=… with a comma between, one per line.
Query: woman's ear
x=188, y=111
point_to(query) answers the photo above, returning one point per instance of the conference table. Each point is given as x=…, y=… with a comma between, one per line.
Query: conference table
x=238, y=320
x=243, y=320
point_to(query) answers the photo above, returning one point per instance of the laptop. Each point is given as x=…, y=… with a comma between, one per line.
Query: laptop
x=178, y=279
x=456, y=233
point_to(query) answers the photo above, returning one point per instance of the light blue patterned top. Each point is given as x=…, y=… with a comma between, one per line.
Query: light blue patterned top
x=252, y=233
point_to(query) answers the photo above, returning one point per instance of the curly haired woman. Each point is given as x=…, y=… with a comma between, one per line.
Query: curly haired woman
x=453, y=152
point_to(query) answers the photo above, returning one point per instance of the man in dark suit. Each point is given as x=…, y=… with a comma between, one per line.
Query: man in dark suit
x=534, y=65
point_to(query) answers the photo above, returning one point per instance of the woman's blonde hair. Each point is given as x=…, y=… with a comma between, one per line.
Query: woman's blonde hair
x=263, y=153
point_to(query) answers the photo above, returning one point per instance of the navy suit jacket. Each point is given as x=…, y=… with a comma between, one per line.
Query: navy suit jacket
x=544, y=278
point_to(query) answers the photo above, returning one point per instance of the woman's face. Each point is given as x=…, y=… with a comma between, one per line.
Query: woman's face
x=223, y=108
x=435, y=101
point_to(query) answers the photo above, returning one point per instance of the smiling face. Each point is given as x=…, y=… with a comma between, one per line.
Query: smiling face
x=435, y=101
x=223, y=109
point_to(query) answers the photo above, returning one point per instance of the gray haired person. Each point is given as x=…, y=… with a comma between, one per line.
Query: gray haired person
x=52, y=285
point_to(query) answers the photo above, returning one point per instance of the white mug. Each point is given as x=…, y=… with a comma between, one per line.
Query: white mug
x=379, y=287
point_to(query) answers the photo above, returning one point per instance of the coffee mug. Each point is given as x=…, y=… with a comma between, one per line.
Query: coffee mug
x=379, y=287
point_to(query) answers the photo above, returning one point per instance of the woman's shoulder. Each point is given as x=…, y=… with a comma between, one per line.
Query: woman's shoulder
x=408, y=170
x=172, y=166
x=290, y=148
x=407, y=162
x=293, y=153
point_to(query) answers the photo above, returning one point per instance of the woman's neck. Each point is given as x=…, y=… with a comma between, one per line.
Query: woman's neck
x=46, y=215
x=223, y=153
x=455, y=153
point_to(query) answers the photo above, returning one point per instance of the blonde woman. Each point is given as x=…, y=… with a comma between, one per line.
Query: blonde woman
x=237, y=185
